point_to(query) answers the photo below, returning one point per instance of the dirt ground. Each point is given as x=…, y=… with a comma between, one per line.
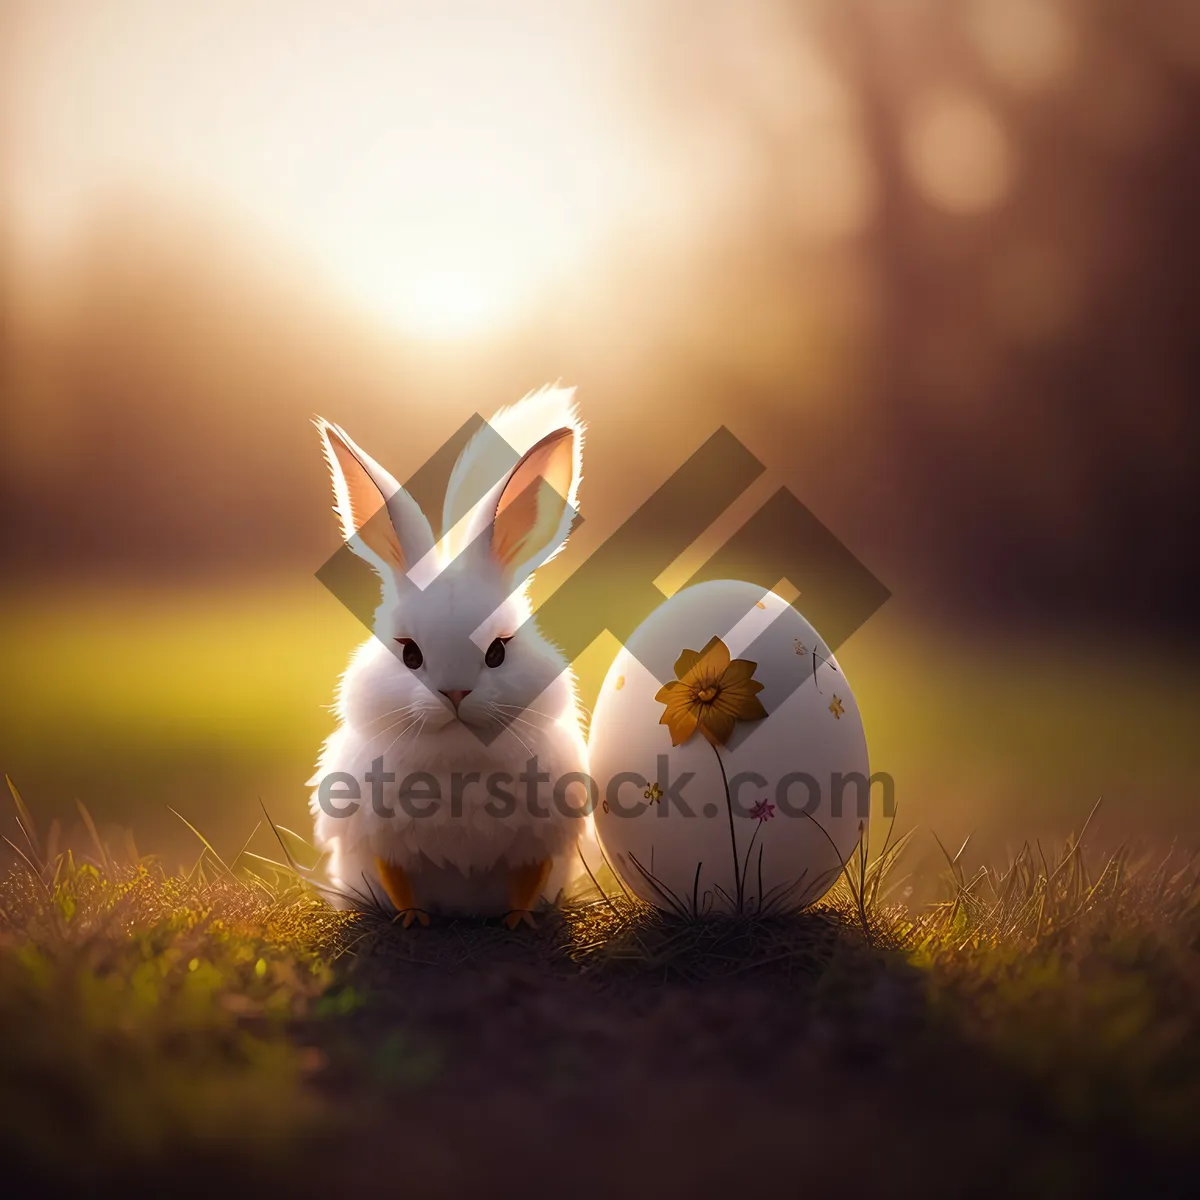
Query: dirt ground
x=208, y=1035
x=496, y=1065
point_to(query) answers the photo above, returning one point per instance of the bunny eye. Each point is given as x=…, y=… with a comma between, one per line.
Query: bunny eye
x=411, y=655
x=495, y=652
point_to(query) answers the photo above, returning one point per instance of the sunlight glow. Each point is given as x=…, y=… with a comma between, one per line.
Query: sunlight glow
x=461, y=281
x=442, y=167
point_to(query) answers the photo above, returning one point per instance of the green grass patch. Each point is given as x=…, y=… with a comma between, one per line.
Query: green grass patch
x=150, y=1017
x=210, y=699
x=1044, y=1011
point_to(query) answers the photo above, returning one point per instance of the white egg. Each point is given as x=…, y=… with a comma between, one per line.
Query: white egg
x=767, y=819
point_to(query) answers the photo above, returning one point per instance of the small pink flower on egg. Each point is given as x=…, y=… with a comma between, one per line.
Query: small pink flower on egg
x=764, y=810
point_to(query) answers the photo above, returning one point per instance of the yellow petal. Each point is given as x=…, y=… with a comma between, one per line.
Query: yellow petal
x=716, y=653
x=678, y=705
x=716, y=725
x=741, y=687
x=681, y=722
x=708, y=665
x=741, y=702
x=739, y=670
x=665, y=693
x=685, y=662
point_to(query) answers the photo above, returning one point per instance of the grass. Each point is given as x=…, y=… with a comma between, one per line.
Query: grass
x=209, y=1022
x=149, y=1016
x=208, y=698
x=1041, y=1018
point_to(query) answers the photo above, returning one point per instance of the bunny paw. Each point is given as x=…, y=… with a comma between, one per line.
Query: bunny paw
x=399, y=891
x=525, y=884
x=517, y=916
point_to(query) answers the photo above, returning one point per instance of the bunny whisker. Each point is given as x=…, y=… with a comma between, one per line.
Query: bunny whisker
x=513, y=733
x=418, y=721
x=506, y=719
x=520, y=709
x=388, y=729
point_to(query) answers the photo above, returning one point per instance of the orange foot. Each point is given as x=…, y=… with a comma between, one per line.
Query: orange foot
x=399, y=892
x=524, y=886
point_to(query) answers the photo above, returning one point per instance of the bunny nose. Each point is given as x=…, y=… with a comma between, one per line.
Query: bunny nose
x=456, y=696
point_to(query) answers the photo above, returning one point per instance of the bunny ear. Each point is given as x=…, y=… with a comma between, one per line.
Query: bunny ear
x=536, y=505
x=379, y=520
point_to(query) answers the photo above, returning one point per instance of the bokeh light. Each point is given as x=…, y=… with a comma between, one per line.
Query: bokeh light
x=958, y=152
x=1028, y=44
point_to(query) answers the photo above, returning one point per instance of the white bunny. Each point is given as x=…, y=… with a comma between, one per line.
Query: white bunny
x=458, y=689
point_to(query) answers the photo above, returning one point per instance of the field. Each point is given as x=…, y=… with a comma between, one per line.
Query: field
x=991, y=1023
x=210, y=700
x=1034, y=1034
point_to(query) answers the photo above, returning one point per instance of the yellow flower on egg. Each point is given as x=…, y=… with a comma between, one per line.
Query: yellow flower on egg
x=711, y=693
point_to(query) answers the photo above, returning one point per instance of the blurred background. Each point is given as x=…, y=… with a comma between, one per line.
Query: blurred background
x=933, y=261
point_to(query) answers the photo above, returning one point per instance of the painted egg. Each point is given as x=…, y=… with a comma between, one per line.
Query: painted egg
x=729, y=756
